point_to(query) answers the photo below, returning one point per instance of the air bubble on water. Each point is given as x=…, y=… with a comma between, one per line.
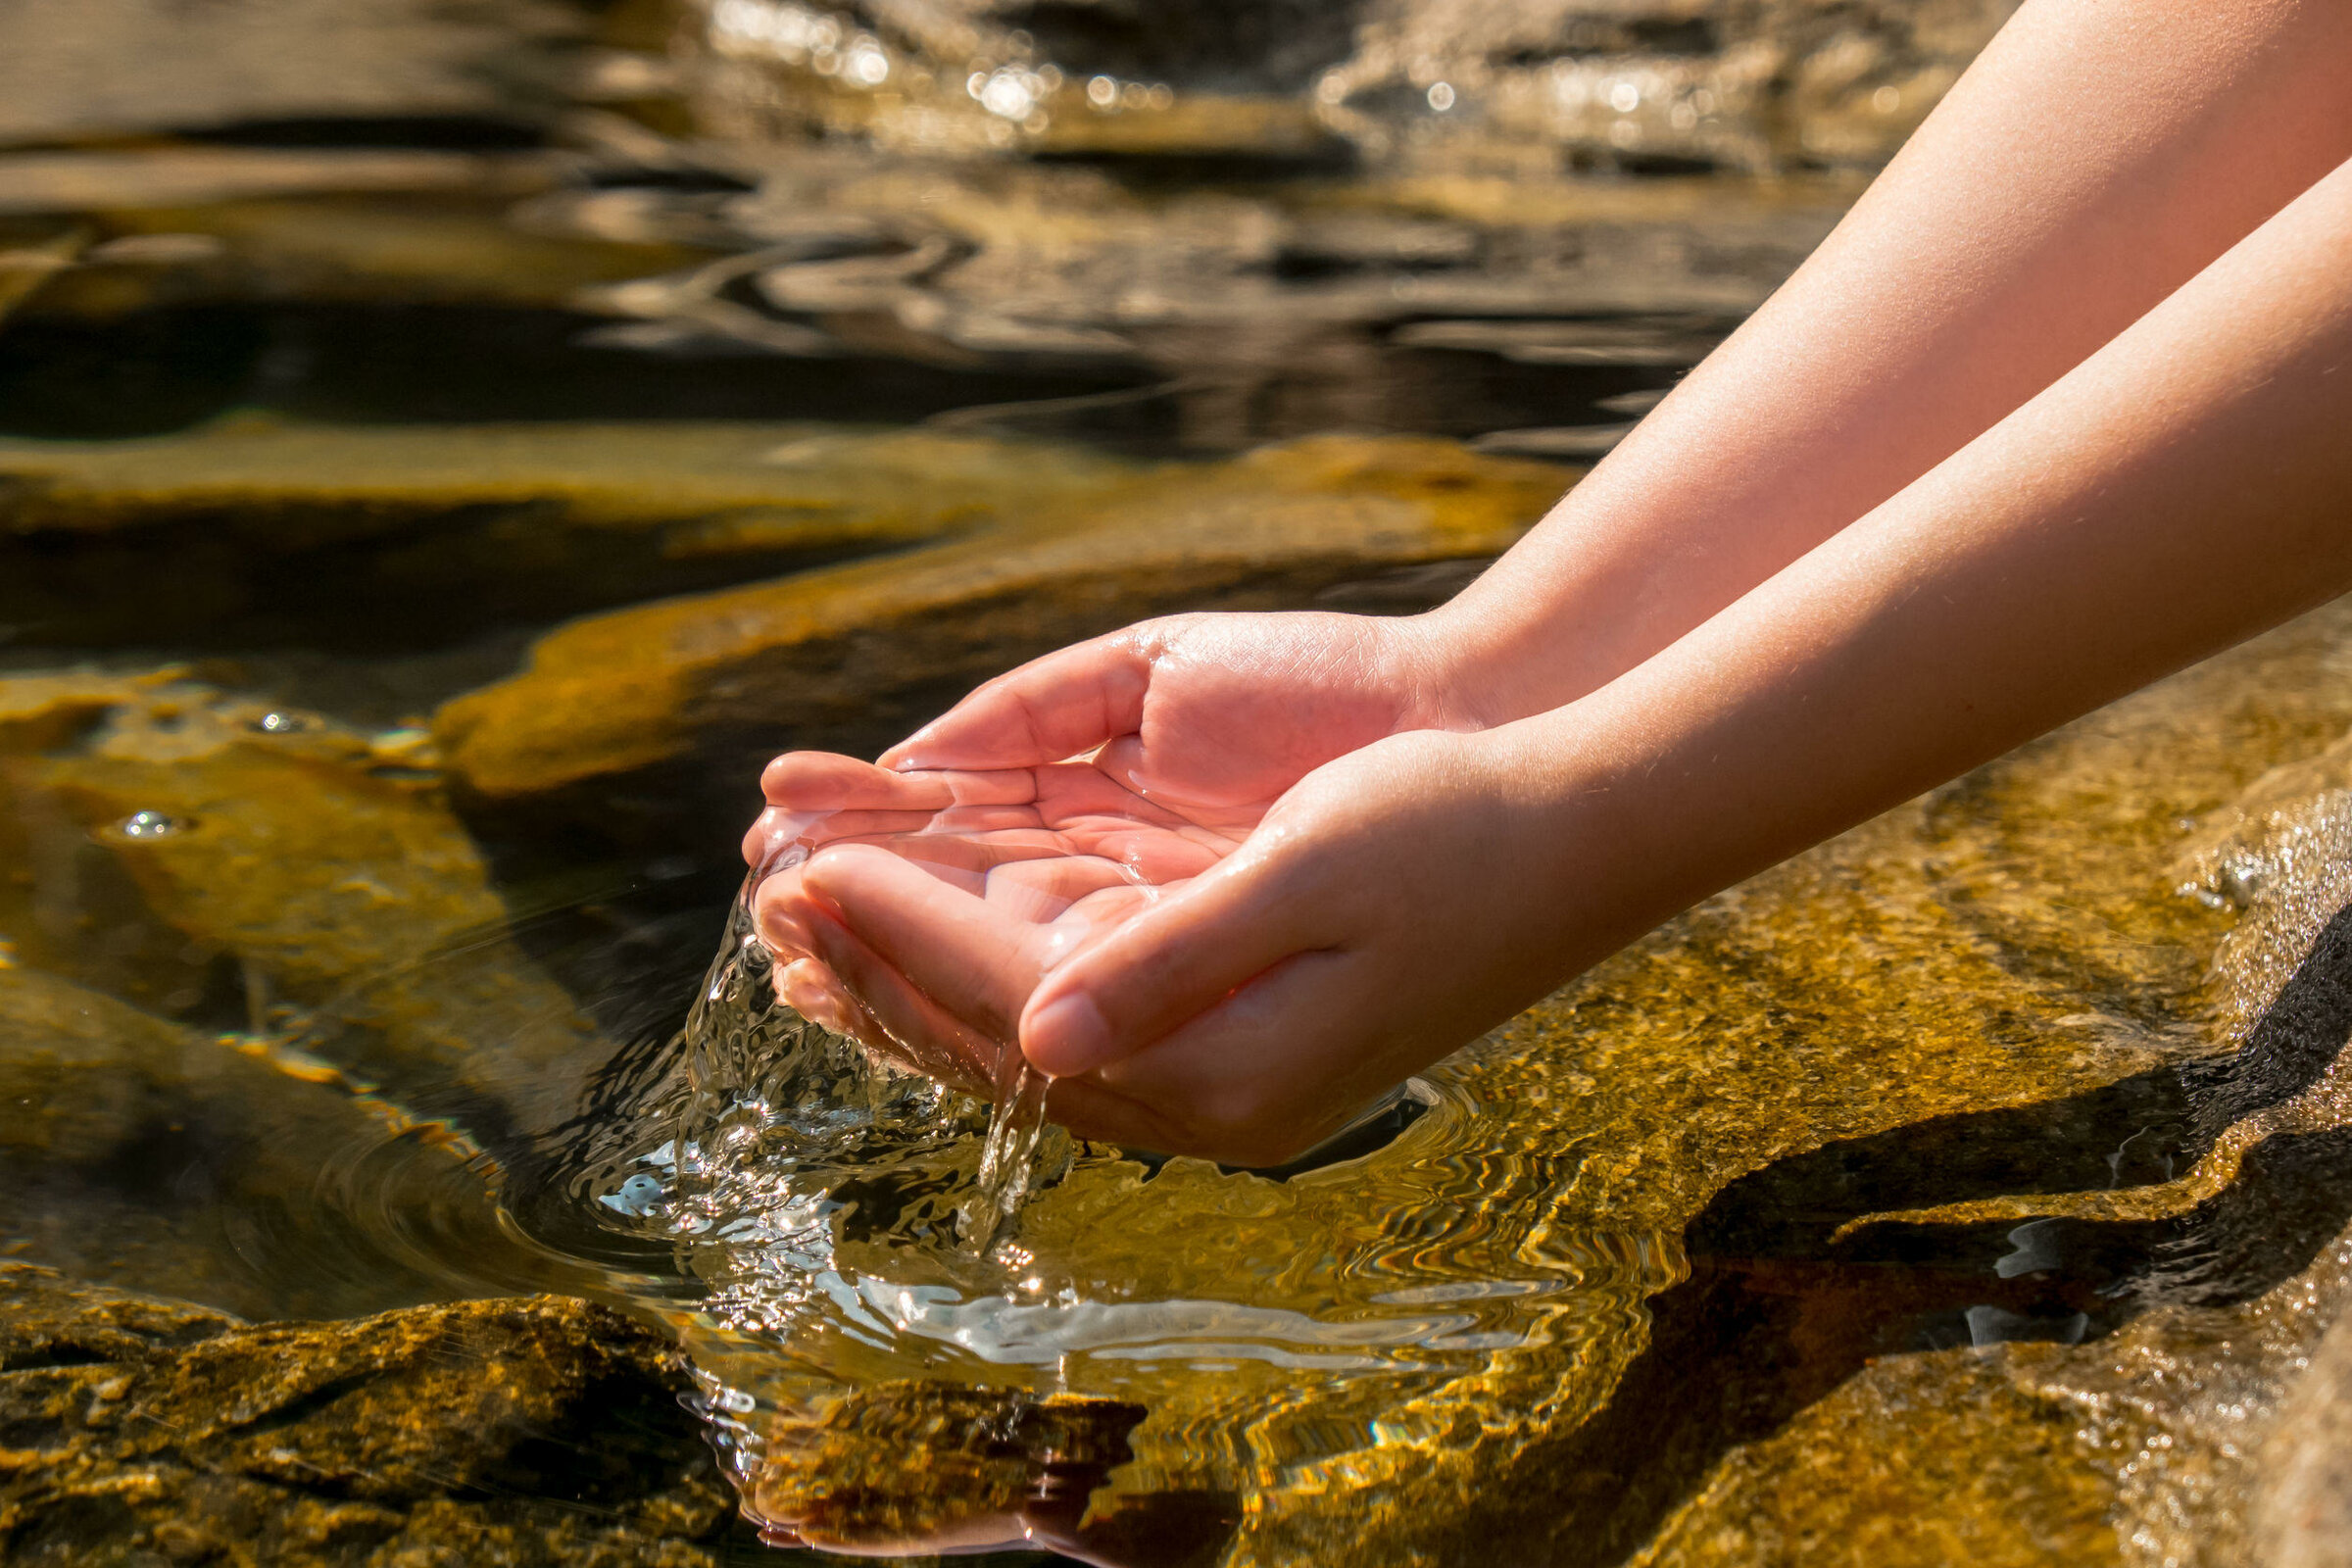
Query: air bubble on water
x=152, y=826
x=280, y=723
x=638, y=1196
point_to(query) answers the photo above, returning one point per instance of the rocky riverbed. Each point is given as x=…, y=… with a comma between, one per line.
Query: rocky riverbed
x=443, y=449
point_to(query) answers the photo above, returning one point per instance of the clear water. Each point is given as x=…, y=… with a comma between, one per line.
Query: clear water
x=1970, y=1189
x=876, y=1271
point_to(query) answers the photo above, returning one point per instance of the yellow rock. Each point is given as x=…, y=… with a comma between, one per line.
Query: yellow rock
x=188, y=830
x=422, y=532
x=867, y=646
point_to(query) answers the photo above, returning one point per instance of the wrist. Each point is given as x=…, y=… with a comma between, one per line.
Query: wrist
x=1495, y=661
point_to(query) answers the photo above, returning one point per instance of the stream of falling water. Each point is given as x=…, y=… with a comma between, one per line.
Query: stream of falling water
x=770, y=1094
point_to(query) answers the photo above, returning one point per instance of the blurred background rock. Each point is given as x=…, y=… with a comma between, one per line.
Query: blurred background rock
x=1236, y=220
x=1747, y=85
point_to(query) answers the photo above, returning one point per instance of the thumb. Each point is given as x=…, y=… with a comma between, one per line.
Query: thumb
x=1174, y=960
x=1058, y=706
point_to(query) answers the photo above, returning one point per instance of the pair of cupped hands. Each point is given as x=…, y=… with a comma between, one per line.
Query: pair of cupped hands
x=1225, y=878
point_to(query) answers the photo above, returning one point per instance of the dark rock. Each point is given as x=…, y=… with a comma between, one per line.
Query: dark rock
x=508, y=1432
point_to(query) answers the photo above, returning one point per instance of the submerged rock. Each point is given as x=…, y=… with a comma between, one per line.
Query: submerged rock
x=405, y=537
x=507, y=1432
x=199, y=852
x=70, y=68
x=853, y=657
x=152, y=1157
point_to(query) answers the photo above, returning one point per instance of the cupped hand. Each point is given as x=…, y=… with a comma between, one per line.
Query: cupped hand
x=1252, y=874
x=975, y=882
x=1390, y=907
x=1210, y=716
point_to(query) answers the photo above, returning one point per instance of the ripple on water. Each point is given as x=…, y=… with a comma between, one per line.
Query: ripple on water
x=1212, y=1331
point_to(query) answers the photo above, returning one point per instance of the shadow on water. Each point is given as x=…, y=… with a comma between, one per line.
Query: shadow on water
x=1785, y=1302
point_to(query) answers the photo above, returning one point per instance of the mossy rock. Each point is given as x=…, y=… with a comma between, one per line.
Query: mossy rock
x=533, y=1431
x=255, y=534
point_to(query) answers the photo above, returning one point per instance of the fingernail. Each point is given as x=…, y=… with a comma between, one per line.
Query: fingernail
x=1067, y=1036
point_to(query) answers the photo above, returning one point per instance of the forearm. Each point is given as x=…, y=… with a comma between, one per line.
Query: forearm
x=2186, y=487
x=2095, y=158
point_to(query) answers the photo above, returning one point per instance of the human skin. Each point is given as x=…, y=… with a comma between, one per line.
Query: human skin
x=2187, y=486
x=1424, y=884
x=2096, y=156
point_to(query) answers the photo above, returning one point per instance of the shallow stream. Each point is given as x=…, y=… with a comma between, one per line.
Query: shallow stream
x=444, y=451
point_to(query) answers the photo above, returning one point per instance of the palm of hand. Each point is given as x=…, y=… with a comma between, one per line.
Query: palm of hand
x=977, y=882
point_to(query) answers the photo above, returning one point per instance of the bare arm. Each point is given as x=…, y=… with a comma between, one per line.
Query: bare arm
x=2184, y=487
x=2096, y=157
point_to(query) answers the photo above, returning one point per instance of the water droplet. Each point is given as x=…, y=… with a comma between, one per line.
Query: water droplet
x=1441, y=96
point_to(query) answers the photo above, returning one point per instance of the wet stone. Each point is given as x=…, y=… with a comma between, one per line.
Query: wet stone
x=260, y=534
x=851, y=658
x=509, y=1432
x=909, y=1462
x=287, y=881
x=70, y=68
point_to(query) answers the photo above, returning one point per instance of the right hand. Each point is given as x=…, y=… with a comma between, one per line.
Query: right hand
x=1209, y=715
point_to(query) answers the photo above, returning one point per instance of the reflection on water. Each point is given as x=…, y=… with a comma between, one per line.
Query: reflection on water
x=441, y=450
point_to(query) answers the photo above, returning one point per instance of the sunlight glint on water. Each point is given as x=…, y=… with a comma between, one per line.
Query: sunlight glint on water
x=880, y=1260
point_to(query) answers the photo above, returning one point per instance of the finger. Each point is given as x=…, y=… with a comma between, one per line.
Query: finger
x=1050, y=709
x=976, y=961
x=912, y=1029
x=781, y=912
x=1175, y=958
x=832, y=782
x=812, y=989
x=1272, y=1069
x=825, y=780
